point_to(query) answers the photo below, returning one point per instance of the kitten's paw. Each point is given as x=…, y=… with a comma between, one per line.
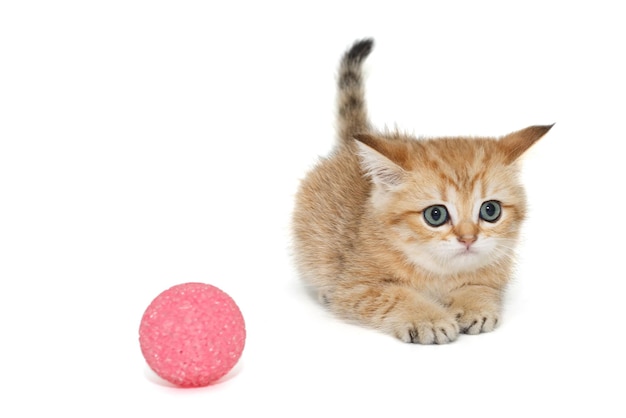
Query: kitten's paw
x=477, y=308
x=439, y=331
x=475, y=322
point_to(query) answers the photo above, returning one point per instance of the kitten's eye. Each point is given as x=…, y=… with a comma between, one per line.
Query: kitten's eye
x=490, y=211
x=436, y=215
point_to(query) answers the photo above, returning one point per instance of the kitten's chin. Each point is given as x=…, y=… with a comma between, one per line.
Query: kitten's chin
x=467, y=261
x=450, y=261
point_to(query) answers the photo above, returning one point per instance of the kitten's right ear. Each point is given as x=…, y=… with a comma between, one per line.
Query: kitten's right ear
x=379, y=168
x=515, y=144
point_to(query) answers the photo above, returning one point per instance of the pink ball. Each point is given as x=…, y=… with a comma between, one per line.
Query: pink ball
x=192, y=334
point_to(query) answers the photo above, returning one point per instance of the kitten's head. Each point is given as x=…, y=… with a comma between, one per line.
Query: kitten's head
x=451, y=205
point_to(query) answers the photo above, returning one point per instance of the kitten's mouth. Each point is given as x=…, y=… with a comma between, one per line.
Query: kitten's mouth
x=467, y=252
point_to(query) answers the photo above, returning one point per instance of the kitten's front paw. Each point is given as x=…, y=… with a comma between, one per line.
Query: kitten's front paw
x=475, y=322
x=439, y=331
x=477, y=308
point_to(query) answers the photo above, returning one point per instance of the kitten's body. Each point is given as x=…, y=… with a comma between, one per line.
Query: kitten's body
x=361, y=237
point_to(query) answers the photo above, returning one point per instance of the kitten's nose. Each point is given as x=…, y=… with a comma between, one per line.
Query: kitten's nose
x=467, y=239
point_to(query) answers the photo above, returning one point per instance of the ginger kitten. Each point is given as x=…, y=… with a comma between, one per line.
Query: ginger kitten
x=414, y=237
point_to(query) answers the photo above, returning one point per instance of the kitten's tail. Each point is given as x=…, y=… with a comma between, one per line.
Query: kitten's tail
x=352, y=116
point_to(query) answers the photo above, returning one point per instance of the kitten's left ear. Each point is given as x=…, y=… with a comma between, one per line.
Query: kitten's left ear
x=515, y=144
x=377, y=166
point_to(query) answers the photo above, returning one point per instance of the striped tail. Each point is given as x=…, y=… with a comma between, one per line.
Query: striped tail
x=352, y=117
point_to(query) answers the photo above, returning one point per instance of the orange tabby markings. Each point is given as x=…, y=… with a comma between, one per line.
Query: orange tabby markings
x=362, y=237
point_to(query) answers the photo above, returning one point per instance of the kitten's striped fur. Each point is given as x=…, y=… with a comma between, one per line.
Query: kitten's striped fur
x=361, y=238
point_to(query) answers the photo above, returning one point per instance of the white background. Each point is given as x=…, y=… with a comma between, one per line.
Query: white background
x=149, y=143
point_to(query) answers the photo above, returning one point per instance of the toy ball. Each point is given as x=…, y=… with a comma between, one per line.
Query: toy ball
x=192, y=334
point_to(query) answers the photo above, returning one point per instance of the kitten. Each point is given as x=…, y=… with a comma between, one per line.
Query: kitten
x=414, y=237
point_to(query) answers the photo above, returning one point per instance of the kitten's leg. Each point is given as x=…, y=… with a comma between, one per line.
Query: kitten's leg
x=396, y=310
x=477, y=308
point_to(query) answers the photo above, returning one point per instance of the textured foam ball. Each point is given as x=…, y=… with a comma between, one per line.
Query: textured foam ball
x=192, y=334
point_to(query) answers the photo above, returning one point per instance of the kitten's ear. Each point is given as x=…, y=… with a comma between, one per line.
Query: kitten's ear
x=515, y=144
x=379, y=168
